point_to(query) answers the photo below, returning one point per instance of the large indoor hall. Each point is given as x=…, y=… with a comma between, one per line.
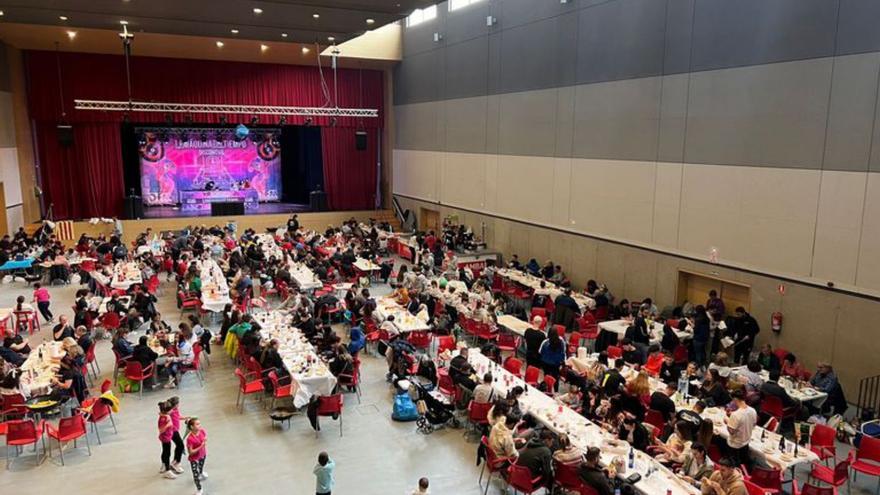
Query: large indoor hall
x=474, y=247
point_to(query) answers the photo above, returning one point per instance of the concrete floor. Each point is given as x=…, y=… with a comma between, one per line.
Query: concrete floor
x=376, y=456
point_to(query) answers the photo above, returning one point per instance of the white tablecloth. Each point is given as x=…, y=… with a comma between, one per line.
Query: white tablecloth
x=125, y=274
x=585, y=302
x=309, y=373
x=619, y=327
x=215, y=288
x=304, y=277
x=365, y=265
x=37, y=371
x=582, y=432
x=805, y=394
x=404, y=320
x=514, y=324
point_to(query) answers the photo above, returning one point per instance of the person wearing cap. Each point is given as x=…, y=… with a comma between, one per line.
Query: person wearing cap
x=534, y=337
x=726, y=481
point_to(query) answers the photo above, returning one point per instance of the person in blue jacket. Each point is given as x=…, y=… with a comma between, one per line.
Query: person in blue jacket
x=358, y=340
x=552, y=353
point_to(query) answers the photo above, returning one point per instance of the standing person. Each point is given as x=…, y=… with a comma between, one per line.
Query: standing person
x=197, y=448
x=702, y=333
x=166, y=433
x=745, y=329
x=739, y=426
x=324, y=474
x=174, y=413
x=41, y=295
x=534, y=337
x=552, y=354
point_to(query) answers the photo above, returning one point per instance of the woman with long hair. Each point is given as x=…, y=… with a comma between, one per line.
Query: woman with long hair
x=552, y=352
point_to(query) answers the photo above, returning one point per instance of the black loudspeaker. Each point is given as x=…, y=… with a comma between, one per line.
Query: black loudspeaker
x=360, y=140
x=227, y=208
x=134, y=207
x=65, y=135
x=318, y=201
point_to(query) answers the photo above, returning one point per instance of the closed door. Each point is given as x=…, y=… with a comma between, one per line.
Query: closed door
x=694, y=288
x=430, y=220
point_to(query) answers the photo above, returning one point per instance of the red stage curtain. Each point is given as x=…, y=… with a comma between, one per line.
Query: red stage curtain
x=349, y=175
x=102, y=77
x=84, y=180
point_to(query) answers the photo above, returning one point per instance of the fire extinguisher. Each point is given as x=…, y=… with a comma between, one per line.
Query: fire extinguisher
x=776, y=322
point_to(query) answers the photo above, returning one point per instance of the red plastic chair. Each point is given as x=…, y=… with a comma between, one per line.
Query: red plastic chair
x=680, y=354
x=478, y=414
x=194, y=367
x=97, y=411
x=835, y=477
x=90, y=360
x=532, y=375
x=809, y=489
x=520, y=478
x=772, y=406
x=655, y=418
x=514, y=366
x=868, y=458
x=507, y=342
x=331, y=405
x=445, y=342
x=26, y=319
x=587, y=490
x=614, y=352
x=654, y=363
x=566, y=476
x=445, y=385
x=110, y=321
x=753, y=489
x=549, y=385
x=280, y=391
x=23, y=432
x=68, y=429
x=483, y=331
x=12, y=405
x=493, y=463
x=770, y=480
x=539, y=312
x=574, y=341
x=560, y=330
x=419, y=340
x=822, y=442
x=772, y=425
x=353, y=379
x=248, y=384
x=190, y=302
x=135, y=372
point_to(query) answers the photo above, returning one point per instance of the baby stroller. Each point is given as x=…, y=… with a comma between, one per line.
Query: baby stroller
x=435, y=411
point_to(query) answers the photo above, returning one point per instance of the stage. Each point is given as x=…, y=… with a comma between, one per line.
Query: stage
x=258, y=209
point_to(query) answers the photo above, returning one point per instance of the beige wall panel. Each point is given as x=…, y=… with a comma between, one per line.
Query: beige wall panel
x=869, y=248
x=610, y=268
x=7, y=130
x=584, y=256
x=855, y=353
x=708, y=214
x=614, y=198
x=463, y=180
x=490, y=195
x=640, y=275
x=562, y=192
x=417, y=173
x=9, y=175
x=838, y=226
x=667, y=198
x=524, y=188
x=560, y=249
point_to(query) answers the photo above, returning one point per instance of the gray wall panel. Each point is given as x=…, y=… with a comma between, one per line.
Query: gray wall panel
x=494, y=66
x=467, y=68
x=679, y=27
x=466, y=23
x=620, y=40
x=466, y=124
x=535, y=56
x=527, y=123
x=493, y=124
x=565, y=105
x=617, y=120
x=857, y=31
x=517, y=12
x=748, y=32
x=416, y=126
x=874, y=166
x=420, y=78
x=772, y=115
x=673, y=110
x=420, y=38
x=851, y=113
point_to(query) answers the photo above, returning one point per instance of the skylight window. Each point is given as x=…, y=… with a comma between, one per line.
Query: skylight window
x=460, y=4
x=421, y=15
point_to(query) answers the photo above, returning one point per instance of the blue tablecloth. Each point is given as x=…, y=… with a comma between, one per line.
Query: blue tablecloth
x=17, y=265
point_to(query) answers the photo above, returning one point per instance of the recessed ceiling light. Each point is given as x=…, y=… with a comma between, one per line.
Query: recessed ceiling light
x=2, y=13
x=316, y=15
x=233, y=31
x=371, y=21
x=305, y=50
x=264, y=47
x=123, y=22
x=219, y=44
x=258, y=10
x=71, y=35
x=62, y=17
x=331, y=39
x=284, y=35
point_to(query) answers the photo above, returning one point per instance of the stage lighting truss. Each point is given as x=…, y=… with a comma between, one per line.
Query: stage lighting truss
x=191, y=108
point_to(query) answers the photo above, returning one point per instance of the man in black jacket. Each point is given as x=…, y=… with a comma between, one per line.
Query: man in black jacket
x=772, y=388
x=745, y=329
x=534, y=337
x=661, y=401
x=538, y=458
x=613, y=382
x=593, y=475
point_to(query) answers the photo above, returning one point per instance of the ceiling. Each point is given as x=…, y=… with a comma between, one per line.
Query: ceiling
x=340, y=19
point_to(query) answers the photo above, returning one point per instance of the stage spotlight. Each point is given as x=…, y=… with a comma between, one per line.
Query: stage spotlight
x=203, y=136
x=254, y=120
x=308, y=121
x=282, y=120
x=188, y=120
x=222, y=120
x=169, y=119
x=142, y=139
x=332, y=121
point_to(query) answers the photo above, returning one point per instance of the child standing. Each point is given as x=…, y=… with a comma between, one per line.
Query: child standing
x=41, y=295
x=324, y=474
x=174, y=402
x=166, y=433
x=197, y=446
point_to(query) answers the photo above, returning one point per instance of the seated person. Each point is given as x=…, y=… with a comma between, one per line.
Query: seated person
x=592, y=474
x=120, y=344
x=727, y=480
x=772, y=388
x=538, y=457
x=16, y=342
x=696, y=466
x=14, y=358
x=143, y=354
x=357, y=340
x=484, y=393
x=791, y=367
x=83, y=338
x=712, y=391
x=661, y=401
x=501, y=438
x=566, y=453
x=270, y=359
x=460, y=370
x=634, y=432
x=768, y=359
x=676, y=446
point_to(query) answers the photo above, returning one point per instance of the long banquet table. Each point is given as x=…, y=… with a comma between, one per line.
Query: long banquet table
x=215, y=288
x=582, y=432
x=585, y=302
x=405, y=321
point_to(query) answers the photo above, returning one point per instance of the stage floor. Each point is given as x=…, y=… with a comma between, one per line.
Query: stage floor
x=261, y=209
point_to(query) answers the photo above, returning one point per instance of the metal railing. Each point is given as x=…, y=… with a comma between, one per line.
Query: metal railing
x=869, y=395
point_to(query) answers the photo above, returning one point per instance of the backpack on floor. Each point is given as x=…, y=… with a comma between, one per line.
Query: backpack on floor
x=404, y=408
